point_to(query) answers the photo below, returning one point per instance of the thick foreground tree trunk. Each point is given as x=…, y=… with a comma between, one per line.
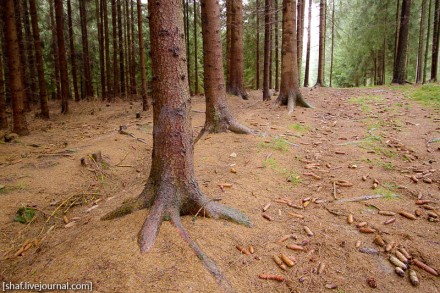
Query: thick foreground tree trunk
x=39, y=59
x=172, y=189
x=218, y=117
x=290, y=94
x=236, y=62
x=399, y=72
x=13, y=57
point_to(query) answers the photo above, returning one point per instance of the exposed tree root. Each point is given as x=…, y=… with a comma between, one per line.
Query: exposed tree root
x=240, y=93
x=170, y=202
x=291, y=99
x=228, y=124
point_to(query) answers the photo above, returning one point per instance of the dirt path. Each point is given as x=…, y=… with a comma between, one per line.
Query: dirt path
x=351, y=134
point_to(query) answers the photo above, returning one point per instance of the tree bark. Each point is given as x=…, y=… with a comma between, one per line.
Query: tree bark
x=142, y=53
x=384, y=49
x=172, y=189
x=228, y=41
x=3, y=119
x=196, y=65
x=25, y=75
x=420, y=49
x=322, y=32
x=399, y=72
x=133, y=53
x=396, y=34
x=115, y=51
x=85, y=47
x=108, y=71
x=277, y=55
x=290, y=93
x=39, y=60
x=266, y=75
x=121, y=48
x=72, y=51
x=257, y=51
x=309, y=36
x=333, y=42
x=435, y=42
x=188, y=53
x=236, y=67
x=428, y=33
x=99, y=20
x=59, y=14
x=14, y=64
x=300, y=34
x=30, y=53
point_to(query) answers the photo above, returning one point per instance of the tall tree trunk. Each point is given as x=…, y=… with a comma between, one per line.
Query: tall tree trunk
x=23, y=56
x=218, y=116
x=277, y=55
x=172, y=189
x=126, y=46
x=419, y=73
x=3, y=119
x=257, y=51
x=72, y=51
x=121, y=48
x=435, y=41
x=30, y=53
x=399, y=72
x=99, y=20
x=85, y=47
x=196, y=65
x=5, y=60
x=62, y=54
x=142, y=53
x=322, y=32
x=228, y=41
x=333, y=43
x=290, y=93
x=271, y=46
x=428, y=33
x=236, y=67
x=384, y=49
x=129, y=53
x=108, y=71
x=39, y=60
x=300, y=34
x=133, y=57
x=188, y=53
x=56, y=59
x=309, y=36
x=266, y=75
x=396, y=34
x=14, y=64
x=115, y=51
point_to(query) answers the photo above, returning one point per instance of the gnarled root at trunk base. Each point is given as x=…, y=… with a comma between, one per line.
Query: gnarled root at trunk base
x=291, y=99
x=170, y=201
x=222, y=126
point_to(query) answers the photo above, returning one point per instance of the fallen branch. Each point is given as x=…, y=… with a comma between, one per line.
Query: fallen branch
x=362, y=198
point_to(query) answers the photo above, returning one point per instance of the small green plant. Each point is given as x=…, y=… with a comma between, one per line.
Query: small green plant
x=271, y=163
x=387, y=165
x=299, y=127
x=276, y=144
x=388, y=192
x=293, y=177
x=24, y=215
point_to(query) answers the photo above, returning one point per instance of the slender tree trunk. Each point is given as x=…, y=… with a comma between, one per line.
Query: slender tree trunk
x=257, y=51
x=30, y=52
x=428, y=33
x=85, y=47
x=435, y=41
x=25, y=75
x=121, y=48
x=108, y=71
x=99, y=20
x=290, y=93
x=271, y=46
x=72, y=51
x=396, y=34
x=188, y=53
x=127, y=47
x=419, y=74
x=14, y=64
x=218, y=117
x=399, y=72
x=384, y=49
x=62, y=55
x=228, y=41
x=196, y=66
x=133, y=51
x=56, y=59
x=172, y=189
x=322, y=32
x=115, y=51
x=333, y=43
x=236, y=67
x=309, y=36
x=5, y=61
x=266, y=75
x=3, y=119
x=142, y=53
x=39, y=60
x=300, y=34
x=129, y=53
x=277, y=55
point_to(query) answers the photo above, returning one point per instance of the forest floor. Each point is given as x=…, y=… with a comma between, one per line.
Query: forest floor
x=375, y=133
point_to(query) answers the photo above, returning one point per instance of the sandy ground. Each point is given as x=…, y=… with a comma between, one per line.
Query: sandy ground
x=351, y=133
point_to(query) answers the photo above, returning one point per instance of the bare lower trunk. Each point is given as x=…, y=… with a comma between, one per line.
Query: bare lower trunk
x=266, y=75
x=85, y=47
x=309, y=36
x=3, y=120
x=333, y=43
x=30, y=52
x=276, y=47
x=322, y=32
x=428, y=33
x=300, y=34
x=257, y=50
x=290, y=93
x=420, y=49
x=108, y=71
x=115, y=51
x=142, y=54
x=399, y=73
x=72, y=52
x=25, y=75
x=196, y=63
x=99, y=20
x=435, y=41
x=172, y=190
x=62, y=55
x=121, y=48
